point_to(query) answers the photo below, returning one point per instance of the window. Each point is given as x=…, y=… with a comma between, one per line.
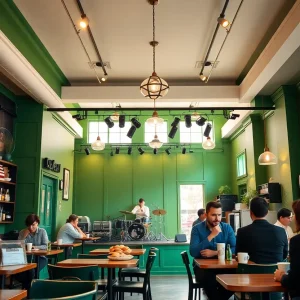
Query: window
x=114, y=135
x=193, y=134
x=241, y=164
x=161, y=131
x=191, y=199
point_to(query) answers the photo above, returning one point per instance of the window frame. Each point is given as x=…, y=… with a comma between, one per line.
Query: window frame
x=245, y=174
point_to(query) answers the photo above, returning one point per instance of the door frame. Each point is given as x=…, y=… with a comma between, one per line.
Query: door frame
x=55, y=196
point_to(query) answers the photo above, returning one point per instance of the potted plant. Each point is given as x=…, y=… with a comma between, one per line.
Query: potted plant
x=224, y=189
x=248, y=196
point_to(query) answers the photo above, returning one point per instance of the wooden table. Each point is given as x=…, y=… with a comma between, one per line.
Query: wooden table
x=11, y=270
x=12, y=294
x=84, y=239
x=65, y=247
x=102, y=263
x=250, y=283
x=38, y=253
x=214, y=263
x=134, y=252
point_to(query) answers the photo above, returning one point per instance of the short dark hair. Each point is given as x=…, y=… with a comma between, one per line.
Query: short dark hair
x=259, y=207
x=213, y=204
x=296, y=209
x=283, y=212
x=141, y=200
x=30, y=219
x=72, y=218
x=201, y=211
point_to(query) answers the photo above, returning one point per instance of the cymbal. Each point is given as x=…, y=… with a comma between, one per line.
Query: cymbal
x=126, y=212
x=159, y=212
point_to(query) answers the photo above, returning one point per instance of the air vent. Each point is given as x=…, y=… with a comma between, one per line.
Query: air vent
x=97, y=64
x=199, y=64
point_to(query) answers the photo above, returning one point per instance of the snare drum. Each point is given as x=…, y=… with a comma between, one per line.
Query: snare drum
x=146, y=220
x=136, y=231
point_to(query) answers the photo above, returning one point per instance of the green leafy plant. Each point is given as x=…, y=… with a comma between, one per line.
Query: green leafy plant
x=249, y=195
x=224, y=189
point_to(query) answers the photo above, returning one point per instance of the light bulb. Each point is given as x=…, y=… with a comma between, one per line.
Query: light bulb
x=98, y=145
x=84, y=22
x=267, y=158
x=208, y=144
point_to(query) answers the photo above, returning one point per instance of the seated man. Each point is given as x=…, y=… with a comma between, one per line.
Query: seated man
x=284, y=219
x=201, y=216
x=204, y=239
x=264, y=242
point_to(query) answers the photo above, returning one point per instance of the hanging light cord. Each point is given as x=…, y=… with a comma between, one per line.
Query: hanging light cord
x=98, y=126
x=153, y=36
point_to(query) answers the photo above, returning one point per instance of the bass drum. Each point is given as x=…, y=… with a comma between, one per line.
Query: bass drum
x=136, y=231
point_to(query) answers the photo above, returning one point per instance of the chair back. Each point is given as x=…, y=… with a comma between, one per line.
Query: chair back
x=149, y=264
x=89, y=256
x=186, y=261
x=256, y=268
x=52, y=289
x=83, y=273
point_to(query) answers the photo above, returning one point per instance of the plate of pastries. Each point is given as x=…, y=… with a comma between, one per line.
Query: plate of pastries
x=119, y=252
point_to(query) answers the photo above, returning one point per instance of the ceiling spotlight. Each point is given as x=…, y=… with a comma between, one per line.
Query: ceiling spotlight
x=87, y=151
x=168, y=150
x=202, y=77
x=135, y=122
x=111, y=153
x=191, y=151
x=84, y=22
x=207, y=130
x=188, y=121
x=155, y=151
x=141, y=150
x=172, y=132
x=208, y=144
x=109, y=122
x=234, y=116
x=129, y=151
x=131, y=131
x=223, y=22
x=77, y=116
x=183, y=151
x=200, y=121
x=104, y=78
x=122, y=121
x=175, y=122
x=118, y=150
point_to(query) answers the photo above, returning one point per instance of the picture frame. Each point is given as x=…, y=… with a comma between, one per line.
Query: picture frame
x=61, y=184
x=66, y=184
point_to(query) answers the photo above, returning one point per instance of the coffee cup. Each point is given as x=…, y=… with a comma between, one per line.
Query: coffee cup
x=87, y=235
x=29, y=246
x=221, y=251
x=243, y=257
x=283, y=266
x=59, y=241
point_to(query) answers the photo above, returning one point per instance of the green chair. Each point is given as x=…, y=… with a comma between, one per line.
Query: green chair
x=259, y=269
x=52, y=289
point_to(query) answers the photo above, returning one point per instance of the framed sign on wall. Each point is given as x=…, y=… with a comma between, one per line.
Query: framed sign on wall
x=66, y=184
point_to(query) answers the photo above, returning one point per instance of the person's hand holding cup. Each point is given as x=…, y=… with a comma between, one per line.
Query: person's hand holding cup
x=243, y=257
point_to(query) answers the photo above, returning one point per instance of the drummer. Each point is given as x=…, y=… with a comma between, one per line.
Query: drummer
x=141, y=210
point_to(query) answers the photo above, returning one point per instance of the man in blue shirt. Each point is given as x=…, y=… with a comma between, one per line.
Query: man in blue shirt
x=204, y=239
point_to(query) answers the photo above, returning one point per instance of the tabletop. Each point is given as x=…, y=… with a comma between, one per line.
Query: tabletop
x=65, y=245
x=250, y=283
x=103, y=263
x=12, y=294
x=8, y=270
x=89, y=238
x=134, y=252
x=44, y=252
x=214, y=263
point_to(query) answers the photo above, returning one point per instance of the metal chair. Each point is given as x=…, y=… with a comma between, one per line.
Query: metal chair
x=193, y=284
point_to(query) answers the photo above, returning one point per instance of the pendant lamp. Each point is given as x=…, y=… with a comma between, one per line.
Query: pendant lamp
x=98, y=145
x=208, y=144
x=154, y=87
x=267, y=157
x=155, y=143
x=155, y=120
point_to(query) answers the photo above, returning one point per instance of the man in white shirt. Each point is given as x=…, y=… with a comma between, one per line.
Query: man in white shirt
x=141, y=210
x=284, y=218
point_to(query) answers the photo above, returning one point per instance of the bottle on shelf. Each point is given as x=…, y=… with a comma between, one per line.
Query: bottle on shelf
x=7, y=196
x=3, y=195
x=228, y=253
x=1, y=191
x=3, y=215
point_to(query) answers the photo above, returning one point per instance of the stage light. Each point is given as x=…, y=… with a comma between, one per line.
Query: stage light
x=109, y=122
x=168, y=150
x=121, y=121
x=141, y=151
x=87, y=151
x=183, y=151
x=200, y=121
x=111, y=153
x=129, y=151
x=207, y=130
x=172, y=132
x=135, y=122
x=234, y=116
x=131, y=131
x=118, y=150
x=188, y=121
x=155, y=151
x=175, y=122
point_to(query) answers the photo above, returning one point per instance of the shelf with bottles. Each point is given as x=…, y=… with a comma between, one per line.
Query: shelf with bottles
x=6, y=212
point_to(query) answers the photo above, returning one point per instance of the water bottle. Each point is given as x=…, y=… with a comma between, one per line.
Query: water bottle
x=49, y=246
x=228, y=253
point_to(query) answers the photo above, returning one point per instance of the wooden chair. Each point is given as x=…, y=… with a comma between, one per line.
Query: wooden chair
x=52, y=289
x=193, y=284
x=259, y=269
x=122, y=287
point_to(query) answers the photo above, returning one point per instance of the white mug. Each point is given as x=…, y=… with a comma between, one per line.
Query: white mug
x=221, y=251
x=59, y=241
x=29, y=246
x=243, y=257
x=283, y=266
x=87, y=235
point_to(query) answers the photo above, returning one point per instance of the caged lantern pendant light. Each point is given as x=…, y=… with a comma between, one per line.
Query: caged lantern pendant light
x=98, y=145
x=154, y=87
x=267, y=157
